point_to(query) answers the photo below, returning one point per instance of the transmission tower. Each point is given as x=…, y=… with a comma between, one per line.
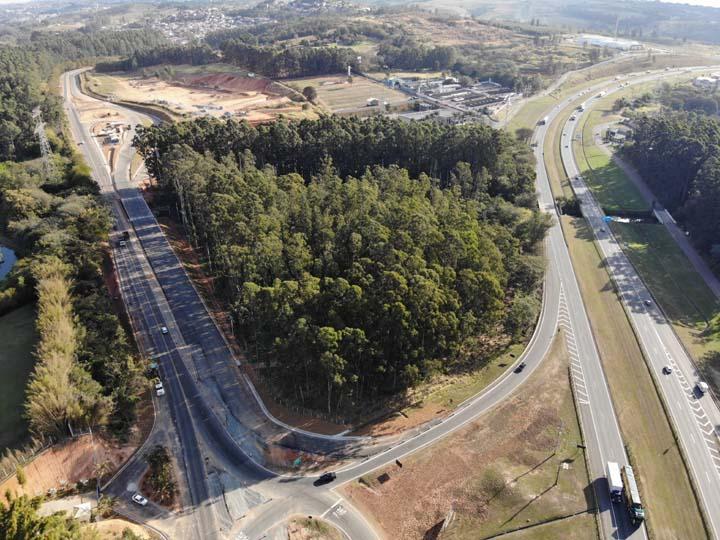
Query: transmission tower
x=45, y=150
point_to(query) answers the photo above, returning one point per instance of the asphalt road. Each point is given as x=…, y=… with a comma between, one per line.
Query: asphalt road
x=203, y=389
x=696, y=418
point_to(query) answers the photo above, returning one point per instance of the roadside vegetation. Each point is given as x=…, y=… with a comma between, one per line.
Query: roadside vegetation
x=518, y=465
x=159, y=481
x=19, y=518
x=84, y=373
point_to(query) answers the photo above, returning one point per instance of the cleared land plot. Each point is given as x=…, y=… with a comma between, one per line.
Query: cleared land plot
x=336, y=94
x=678, y=288
x=672, y=510
x=186, y=91
x=17, y=336
x=517, y=465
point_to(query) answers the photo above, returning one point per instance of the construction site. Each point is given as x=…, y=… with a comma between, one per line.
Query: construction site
x=194, y=94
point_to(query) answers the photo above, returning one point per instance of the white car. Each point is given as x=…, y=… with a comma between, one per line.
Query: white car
x=648, y=302
x=160, y=392
x=139, y=499
x=164, y=330
x=159, y=389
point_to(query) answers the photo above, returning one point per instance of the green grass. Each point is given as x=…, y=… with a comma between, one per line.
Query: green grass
x=17, y=336
x=612, y=188
x=663, y=478
x=678, y=288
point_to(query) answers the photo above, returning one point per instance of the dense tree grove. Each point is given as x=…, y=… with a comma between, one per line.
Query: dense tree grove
x=404, y=53
x=85, y=373
x=194, y=55
x=678, y=155
x=357, y=256
x=280, y=62
x=505, y=166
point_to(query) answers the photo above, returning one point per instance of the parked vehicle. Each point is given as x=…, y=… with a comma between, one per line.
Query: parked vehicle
x=702, y=387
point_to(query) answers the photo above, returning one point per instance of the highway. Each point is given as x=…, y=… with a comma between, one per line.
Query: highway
x=696, y=418
x=222, y=425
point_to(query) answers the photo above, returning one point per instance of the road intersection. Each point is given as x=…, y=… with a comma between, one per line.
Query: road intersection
x=222, y=427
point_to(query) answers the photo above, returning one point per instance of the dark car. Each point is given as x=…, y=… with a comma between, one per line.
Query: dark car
x=520, y=367
x=325, y=479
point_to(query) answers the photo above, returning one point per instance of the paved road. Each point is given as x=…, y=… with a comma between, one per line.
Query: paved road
x=696, y=418
x=194, y=354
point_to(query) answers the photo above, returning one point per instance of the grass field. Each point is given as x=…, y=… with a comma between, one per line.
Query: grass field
x=612, y=188
x=516, y=465
x=338, y=95
x=17, y=336
x=670, y=502
x=678, y=288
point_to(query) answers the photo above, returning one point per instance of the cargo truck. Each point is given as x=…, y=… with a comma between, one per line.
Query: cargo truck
x=632, y=496
x=615, y=482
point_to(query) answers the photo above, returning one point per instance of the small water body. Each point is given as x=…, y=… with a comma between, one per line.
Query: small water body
x=7, y=260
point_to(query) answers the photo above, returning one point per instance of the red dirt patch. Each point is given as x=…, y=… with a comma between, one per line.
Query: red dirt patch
x=65, y=464
x=231, y=83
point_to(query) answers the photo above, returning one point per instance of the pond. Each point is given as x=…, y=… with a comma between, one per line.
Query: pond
x=7, y=260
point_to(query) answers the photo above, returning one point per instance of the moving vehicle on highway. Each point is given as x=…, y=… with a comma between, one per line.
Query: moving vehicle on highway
x=702, y=388
x=667, y=370
x=520, y=367
x=632, y=496
x=543, y=121
x=615, y=482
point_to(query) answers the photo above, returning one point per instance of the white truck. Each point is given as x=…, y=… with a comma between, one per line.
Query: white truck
x=615, y=482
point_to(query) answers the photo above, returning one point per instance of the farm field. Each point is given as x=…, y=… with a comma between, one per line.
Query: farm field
x=190, y=92
x=336, y=94
x=515, y=466
x=17, y=335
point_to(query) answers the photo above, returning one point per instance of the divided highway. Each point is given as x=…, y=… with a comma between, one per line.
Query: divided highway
x=221, y=423
x=696, y=418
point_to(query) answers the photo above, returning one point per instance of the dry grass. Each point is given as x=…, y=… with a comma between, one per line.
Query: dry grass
x=336, y=94
x=671, y=505
x=500, y=472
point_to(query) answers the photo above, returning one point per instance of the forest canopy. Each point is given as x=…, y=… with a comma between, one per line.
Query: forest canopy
x=357, y=256
x=678, y=155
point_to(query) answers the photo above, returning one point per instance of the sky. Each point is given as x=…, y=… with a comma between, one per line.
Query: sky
x=711, y=3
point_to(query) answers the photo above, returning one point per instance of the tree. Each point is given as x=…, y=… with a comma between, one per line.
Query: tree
x=310, y=93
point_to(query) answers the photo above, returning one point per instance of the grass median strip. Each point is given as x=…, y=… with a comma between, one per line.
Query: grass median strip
x=664, y=482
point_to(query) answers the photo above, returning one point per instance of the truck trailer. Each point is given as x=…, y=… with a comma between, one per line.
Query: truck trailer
x=632, y=496
x=615, y=482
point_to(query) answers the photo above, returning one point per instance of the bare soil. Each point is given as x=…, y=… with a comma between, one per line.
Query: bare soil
x=64, y=465
x=516, y=465
x=212, y=94
x=111, y=529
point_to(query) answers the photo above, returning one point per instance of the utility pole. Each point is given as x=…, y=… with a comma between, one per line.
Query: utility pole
x=45, y=150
